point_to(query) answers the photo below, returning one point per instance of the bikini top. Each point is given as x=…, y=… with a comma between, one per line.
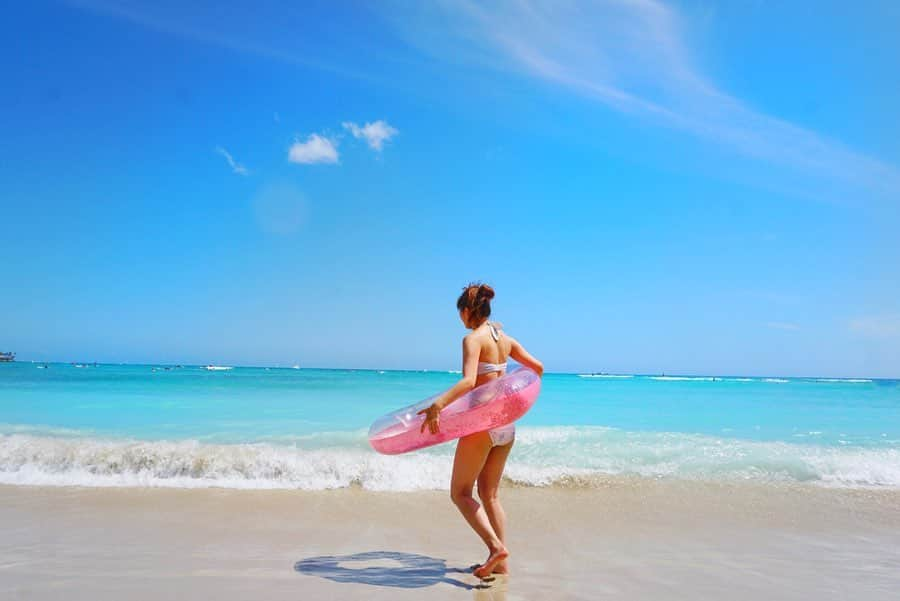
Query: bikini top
x=489, y=368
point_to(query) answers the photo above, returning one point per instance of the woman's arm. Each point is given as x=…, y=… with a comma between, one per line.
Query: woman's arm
x=518, y=352
x=471, y=351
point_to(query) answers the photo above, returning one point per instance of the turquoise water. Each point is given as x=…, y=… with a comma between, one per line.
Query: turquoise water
x=257, y=427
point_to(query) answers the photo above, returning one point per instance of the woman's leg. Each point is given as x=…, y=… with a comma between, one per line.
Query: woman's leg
x=471, y=453
x=488, y=488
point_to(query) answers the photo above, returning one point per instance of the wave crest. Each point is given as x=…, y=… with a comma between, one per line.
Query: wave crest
x=561, y=456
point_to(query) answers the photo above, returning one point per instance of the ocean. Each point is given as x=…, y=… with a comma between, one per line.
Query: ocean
x=145, y=425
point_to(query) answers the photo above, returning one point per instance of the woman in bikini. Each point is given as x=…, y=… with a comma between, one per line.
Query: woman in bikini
x=481, y=457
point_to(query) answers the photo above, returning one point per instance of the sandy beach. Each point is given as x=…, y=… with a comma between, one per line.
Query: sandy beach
x=629, y=539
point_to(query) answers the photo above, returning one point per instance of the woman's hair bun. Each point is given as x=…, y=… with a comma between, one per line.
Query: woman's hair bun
x=476, y=297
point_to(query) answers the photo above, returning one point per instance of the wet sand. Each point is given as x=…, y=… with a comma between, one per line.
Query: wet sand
x=627, y=539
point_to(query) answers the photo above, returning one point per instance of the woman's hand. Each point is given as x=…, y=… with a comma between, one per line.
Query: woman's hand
x=432, y=419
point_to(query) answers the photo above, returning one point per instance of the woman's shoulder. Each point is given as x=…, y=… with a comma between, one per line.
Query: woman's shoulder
x=471, y=338
x=475, y=338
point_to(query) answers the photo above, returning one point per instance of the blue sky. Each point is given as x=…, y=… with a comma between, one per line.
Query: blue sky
x=651, y=187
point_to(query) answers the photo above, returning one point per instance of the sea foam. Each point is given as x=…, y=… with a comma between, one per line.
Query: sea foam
x=544, y=456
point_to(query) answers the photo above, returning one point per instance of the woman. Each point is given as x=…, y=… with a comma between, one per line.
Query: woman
x=481, y=457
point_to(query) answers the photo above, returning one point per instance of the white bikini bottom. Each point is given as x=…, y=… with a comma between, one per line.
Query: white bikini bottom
x=502, y=435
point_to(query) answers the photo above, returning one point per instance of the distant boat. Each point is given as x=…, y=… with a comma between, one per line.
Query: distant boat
x=7, y=357
x=295, y=367
x=217, y=368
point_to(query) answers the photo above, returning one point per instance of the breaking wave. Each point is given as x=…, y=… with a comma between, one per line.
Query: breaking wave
x=544, y=456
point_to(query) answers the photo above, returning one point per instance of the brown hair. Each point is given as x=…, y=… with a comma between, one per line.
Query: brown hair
x=476, y=297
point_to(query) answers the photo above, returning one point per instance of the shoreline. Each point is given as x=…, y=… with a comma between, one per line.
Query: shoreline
x=632, y=538
x=554, y=456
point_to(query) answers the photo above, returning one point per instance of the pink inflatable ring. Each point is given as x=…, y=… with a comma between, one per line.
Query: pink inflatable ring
x=491, y=405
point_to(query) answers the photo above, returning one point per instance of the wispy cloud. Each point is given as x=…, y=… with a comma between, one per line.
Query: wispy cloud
x=780, y=325
x=316, y=149
x=375, y=134
x=632, y=56
x=235, y=166
x=876, y=326
x=226, y=29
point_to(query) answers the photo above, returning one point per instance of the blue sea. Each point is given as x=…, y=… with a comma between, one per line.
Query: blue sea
x=145, y=425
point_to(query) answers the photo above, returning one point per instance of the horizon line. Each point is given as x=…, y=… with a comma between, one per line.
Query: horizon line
x=456, y=371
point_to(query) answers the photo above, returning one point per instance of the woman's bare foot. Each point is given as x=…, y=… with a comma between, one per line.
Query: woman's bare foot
x=502, y=567
x=496, y=557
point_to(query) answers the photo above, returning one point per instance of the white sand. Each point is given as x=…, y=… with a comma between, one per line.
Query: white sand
x=632, y=539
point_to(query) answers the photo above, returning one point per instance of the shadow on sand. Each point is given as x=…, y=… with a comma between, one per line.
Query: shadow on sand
x=407, y=570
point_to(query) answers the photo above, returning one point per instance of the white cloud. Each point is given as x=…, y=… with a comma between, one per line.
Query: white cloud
x=780, y=325
x=235, y=166
x=316, y=149
x=375, y=134
x=632, y=56
x=877, y=326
